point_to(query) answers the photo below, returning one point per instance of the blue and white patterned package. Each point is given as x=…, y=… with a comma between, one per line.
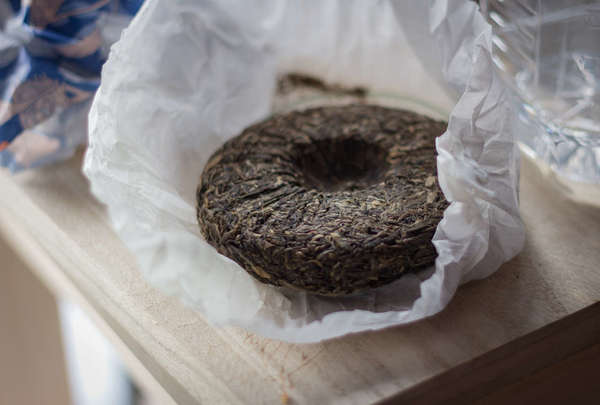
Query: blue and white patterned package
x=51, y=56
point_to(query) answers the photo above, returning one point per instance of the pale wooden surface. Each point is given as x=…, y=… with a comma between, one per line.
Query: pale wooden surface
x=32, y=362
x=51, y=213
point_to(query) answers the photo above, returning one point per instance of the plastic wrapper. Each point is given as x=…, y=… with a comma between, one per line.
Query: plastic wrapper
x=51, y=54
x=187, y=76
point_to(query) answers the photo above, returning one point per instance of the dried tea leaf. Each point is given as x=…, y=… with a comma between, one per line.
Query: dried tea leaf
x=331, y=200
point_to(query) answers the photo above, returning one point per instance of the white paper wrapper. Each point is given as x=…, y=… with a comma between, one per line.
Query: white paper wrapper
x=188, y=75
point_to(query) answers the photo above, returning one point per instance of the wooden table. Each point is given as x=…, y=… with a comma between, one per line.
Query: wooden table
x=540, y=310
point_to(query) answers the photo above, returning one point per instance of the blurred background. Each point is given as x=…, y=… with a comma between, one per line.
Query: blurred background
x=52, y=352
x=51, y=55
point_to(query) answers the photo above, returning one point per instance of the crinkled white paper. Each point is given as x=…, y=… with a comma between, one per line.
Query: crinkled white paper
x=188, y=75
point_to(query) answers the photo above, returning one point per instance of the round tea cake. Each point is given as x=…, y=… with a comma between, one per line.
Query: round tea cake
x=330, y=200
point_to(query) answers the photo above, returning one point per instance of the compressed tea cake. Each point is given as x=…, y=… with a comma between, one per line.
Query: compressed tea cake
x=330, y=200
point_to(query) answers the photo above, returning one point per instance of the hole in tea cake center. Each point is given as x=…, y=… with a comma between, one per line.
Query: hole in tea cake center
x=342, y=164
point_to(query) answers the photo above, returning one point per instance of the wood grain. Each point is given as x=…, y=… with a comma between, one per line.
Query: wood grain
x=573, y=380
x=508, y=364
x=52, y=213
